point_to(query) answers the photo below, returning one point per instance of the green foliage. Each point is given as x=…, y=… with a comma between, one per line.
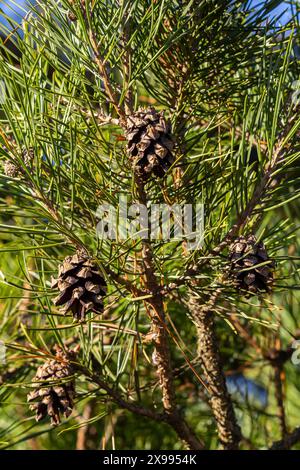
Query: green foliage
x=225, y=75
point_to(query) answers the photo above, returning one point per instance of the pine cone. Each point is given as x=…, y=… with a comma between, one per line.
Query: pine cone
x=81, y=286
x=251, y=268
x=150, y=142
x=71, y=15
x=55, y=388
x=13, y=169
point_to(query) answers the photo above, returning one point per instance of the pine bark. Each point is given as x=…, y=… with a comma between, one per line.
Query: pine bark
x=161, y=355
x=208, y=351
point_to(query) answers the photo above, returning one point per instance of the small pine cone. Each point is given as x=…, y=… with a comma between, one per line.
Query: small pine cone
x=11, y=169
x=251, y=268
x=72, y=16
x=150, y=143
x=54, y=388
x=81, y=286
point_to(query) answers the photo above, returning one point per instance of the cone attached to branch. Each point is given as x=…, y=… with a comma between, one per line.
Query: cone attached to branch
x=13, y=169
x=81, y=286
x=54, y=388
x=251, y=268
x=150, y=142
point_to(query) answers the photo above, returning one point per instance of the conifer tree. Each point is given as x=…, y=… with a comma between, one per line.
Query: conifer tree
x=124, y=338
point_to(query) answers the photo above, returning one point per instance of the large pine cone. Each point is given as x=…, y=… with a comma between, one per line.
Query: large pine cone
x=81, y=286
x=251, y=268
x=150, y=142
x=54, y=388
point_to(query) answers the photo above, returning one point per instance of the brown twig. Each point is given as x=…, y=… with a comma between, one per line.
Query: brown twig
x=210, y=361
x=77, y=243
x=97, y=114
x=173, y=419
x=82, y=431
x=244, y=333
x=102, y=67
x=127, y=62
x=161, y=355
x=117, y=398
x=279, y=395
x=288, y=441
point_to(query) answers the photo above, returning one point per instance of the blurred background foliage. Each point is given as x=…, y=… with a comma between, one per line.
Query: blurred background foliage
x=225, y=72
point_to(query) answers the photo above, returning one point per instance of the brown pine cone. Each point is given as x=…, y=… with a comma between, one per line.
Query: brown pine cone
x=54, y=388
x=150, y=142
x=81, y=286
x=251, y=268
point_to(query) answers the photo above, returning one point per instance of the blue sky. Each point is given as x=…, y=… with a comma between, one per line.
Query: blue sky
x=13, y=8
x=20, y=10
x=278, y=10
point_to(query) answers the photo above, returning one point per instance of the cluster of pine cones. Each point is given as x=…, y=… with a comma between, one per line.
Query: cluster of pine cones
x=81, y=288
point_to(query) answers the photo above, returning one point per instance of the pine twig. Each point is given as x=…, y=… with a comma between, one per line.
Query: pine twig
x=161, y=355
x=267, y=181
x=58, y=220
x=210, y=361
x=278, y=371
x=127, y=62
x=277, y=358
x=97, y=114
x=288, y=441
x=117, y=398
x=244, y=333
x=83, y=430
x=105, y=77
x=174, y=419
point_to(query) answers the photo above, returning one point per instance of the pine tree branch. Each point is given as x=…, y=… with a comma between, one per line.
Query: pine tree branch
x=105, y=77
x=173, y=419
x=127, y=61
x=209, y=359
x=83, y=430
x=279, y=395
x=117, y=398
x=101, y=118
x=268, y=181
x=77, y=243
x=129, y=285
x=161, y=355
x=244, y=333
x=288, y=441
